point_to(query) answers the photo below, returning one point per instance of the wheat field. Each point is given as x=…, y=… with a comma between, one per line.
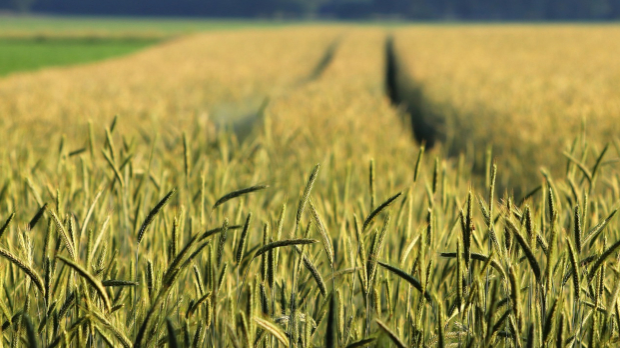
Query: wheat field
x=258, y=189
x=524, y=91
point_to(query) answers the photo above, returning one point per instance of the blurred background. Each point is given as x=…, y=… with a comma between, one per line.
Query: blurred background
x=483, y=80
x=538, y=10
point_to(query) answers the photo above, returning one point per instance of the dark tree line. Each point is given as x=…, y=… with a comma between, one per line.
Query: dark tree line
x=337, y=9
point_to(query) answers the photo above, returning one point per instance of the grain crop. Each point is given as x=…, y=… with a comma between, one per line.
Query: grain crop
x=326, y=225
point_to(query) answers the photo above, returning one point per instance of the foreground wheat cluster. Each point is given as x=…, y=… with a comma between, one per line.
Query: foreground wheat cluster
x=325, y=226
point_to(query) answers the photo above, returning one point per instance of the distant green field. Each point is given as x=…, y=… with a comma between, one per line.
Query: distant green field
x=35, y=42
x=119, y=25
x=32, y=54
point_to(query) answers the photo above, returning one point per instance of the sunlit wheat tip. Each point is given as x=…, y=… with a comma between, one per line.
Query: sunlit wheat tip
x=306, y=194
x=151, y=216
x=238, y=193
x=282, y=243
